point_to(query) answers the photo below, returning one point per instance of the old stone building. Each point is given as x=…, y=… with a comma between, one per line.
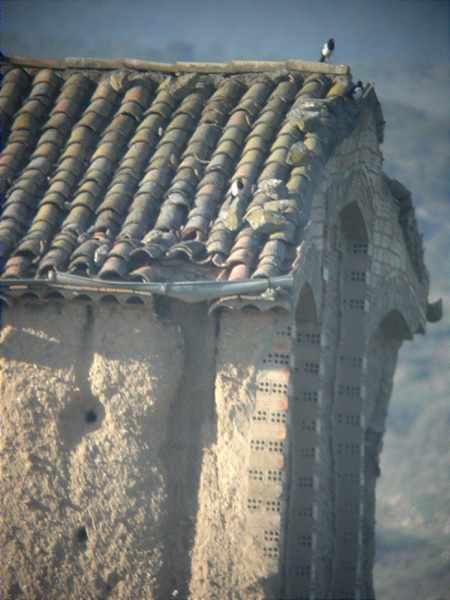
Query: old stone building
x=206, y=278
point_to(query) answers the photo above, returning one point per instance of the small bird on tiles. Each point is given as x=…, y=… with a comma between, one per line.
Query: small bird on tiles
x=40, y=252
x=236, y=187
x=327, y=50
x=356, y=91
x=101, y=253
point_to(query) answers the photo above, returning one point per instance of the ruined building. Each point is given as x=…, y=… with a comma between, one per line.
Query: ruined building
x=206, y=278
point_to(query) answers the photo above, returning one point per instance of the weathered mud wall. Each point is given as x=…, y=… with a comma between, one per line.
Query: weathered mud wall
x=241, y=497
x=102, y=418
x=182, y=455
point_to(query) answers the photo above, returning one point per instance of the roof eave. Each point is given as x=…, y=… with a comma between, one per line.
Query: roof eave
x=191, y=292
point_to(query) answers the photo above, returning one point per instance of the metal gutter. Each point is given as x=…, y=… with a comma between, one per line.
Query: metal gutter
x=187, y=291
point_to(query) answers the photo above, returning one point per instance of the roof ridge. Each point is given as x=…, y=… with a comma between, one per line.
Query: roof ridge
x=234, y=66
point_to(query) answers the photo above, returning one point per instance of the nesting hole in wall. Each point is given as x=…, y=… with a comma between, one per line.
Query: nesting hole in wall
x=358, y=276
x=271, y=551
x=271, y=535
x=305, y=541
x=271, y=387
x=351, y=391
x=354, y=304
x=82, y=415
x=90, y=416
x=348, y=449
x=267, y=445
x=284, y=332
x=308, y=339
x=311, y=367
x=307, y=452
x=310, y=396
x=273, y=506
x=274, y=475
x=303, y=571
x=308, y=425
x=360, y=248
x=276, y=358
x=254, y=504
x=348, y=419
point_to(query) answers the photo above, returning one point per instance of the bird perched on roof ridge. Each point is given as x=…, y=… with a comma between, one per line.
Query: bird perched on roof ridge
x=120, y=81
x=327, y=50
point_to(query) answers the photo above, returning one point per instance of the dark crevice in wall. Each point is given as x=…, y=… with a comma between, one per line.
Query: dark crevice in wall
x=191, y=429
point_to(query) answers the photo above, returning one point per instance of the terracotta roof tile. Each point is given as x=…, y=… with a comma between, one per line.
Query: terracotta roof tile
x=109, y=171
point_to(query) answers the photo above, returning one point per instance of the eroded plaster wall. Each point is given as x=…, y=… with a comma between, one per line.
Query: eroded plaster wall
x=146, y=456
x=239, y=541
x=103, y=413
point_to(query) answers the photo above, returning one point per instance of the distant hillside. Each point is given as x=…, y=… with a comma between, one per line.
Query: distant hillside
x=413, y=512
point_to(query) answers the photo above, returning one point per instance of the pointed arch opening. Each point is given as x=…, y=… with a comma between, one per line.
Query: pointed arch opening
x=353, y=224
x=394, y=326
x=306, y=310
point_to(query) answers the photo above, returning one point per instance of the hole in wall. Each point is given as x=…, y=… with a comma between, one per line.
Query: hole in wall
x=83, y=414
x=90, y=416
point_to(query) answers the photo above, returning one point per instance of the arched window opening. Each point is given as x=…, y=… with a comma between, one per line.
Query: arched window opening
x=353, y=224
x=306, y=310
x=394, y=326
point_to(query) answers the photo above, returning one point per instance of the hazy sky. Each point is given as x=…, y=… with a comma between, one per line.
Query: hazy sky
x=412, y=31
x=401, y=45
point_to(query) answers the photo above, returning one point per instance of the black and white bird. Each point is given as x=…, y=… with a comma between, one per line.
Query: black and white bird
x=327, y=50
x=237, y=187
x=101, y=253
x=356, y=90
